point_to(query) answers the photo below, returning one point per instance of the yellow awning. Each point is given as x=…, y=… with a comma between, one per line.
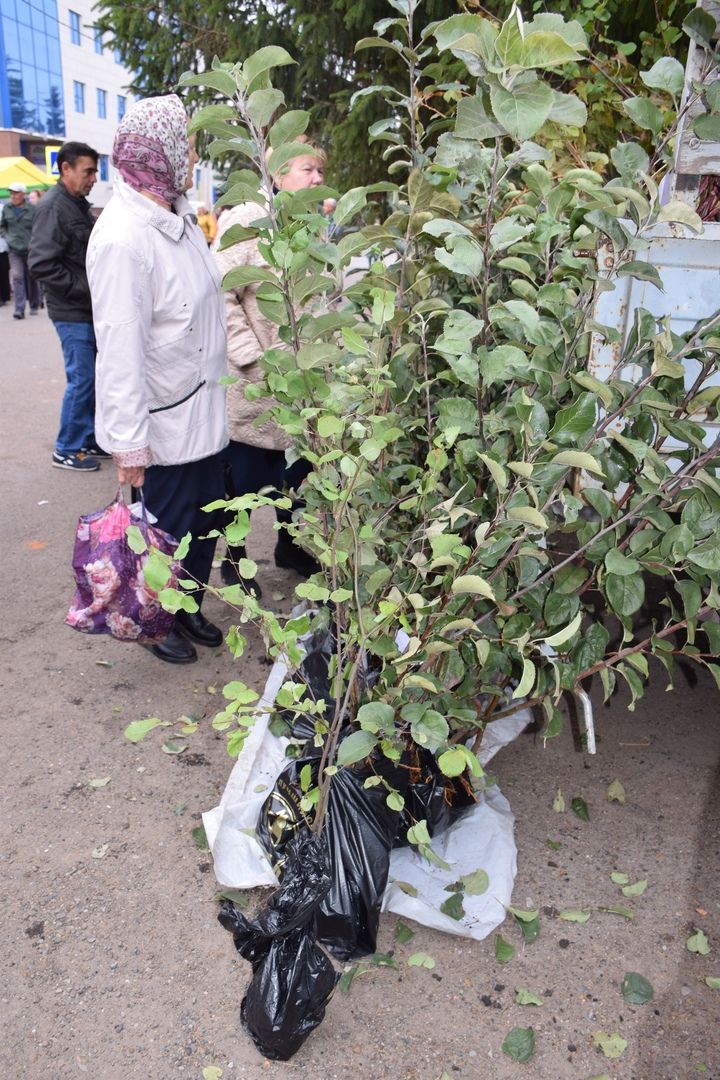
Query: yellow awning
x=18, y=170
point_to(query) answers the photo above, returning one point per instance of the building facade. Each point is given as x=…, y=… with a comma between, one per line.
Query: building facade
x=60, y=81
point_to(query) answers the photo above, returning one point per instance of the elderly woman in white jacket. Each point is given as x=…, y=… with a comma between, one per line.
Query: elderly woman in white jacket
x=160, y=327
x=256, y=454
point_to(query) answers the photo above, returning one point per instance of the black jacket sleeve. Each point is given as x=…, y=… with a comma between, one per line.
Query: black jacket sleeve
x=50, y=258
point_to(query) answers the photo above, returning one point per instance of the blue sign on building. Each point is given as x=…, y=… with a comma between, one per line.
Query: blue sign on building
x=31, y=93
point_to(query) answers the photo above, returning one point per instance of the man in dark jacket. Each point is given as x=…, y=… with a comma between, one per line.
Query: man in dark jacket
x=15, y=225
x=59, y=241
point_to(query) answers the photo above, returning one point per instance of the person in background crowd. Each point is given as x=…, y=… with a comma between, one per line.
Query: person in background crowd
x=15, y=226
x=208, y=223
x=256, y=454
x=58, y=245
x=35, y=196
x=160, y=327
x=4, y=272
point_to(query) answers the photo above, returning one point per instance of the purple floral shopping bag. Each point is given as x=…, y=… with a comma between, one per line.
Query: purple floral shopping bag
x=111, y=595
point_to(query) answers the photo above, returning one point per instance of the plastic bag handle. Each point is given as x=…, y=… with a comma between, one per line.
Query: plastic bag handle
x=144, y=523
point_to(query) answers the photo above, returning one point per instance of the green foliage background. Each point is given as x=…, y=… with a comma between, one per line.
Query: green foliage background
x=165, y=38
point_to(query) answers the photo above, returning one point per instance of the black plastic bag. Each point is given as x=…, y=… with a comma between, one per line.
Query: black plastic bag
x=293, y=978
x=432, y=796
x=359, y=832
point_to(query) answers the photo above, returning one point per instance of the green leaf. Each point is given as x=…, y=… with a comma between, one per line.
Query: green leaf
x=403, y=933
x=473, y=585
x=199, y=838
x=395, y=801
x=579, y=808
x=211, y=1072
x=700, y=26
x=636, y=989
x=679, y=211
x=626, y=913
x=644, y=113
x=529, y=516
x=578, y=460
x=618, y=563
x=575, y=916
x=713, y=981
x=452, y=762
x=453, y=907
x=612, y=1046
x=707, y=555
x=349, y=204
x=528, y=921
x=667, y=74
x=236, y=896
x=217, y=80
x=503, y=363
x=504, y=951
x=629, y=158
x=707, y=127
x=619, y=878
x=264, y=60
x=475, y=883
x=421, y=959
x=288, y=126
x=559, y=802
x=568, y=109
x=615, y=792
x=523, y=996
x=519, y=1044
x=643, y=271
x=240, y=276
x=698, y=943
x=523, y=110
x=376, y=716
x=138, y=729
x=527, y=680
x=263, y=104
x=569, y=631
x=355, y=747
x=430, y=730
x=136, y=540
x=575, y=420
x=637, y=889
x=625, y=594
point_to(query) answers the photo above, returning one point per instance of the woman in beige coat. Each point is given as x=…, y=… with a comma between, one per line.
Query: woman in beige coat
x=256, y=454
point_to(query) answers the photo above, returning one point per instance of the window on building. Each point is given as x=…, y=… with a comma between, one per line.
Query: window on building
x=102, y=104
x=98, y=41
x=74, y=27
x=79, y=96
x=104, y=167
x=120, y=107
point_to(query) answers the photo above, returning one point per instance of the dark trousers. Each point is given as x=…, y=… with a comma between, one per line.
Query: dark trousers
x=4, y=277
x=250, y=468
x=25, y=287
x=175, y=494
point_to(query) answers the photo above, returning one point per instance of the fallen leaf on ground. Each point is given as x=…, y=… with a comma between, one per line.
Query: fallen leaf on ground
x=102, y=781
x=200, y=839
x=619, y=879
x=559, y=802
x=635, y=890
x=421, y=959
x=636, y=989
x=698, y=943
x=618, y=910
x=615, y=792
x=237, y=896
x=504, y=951
x=523, y=996
x=700, y=911
x=172, y=747
x=212, y=1072
x=519, y=1044
x=713, y=981
x=36, y=545
x=403, y=933
x=453, y=907
x=105, y=663
x=138, y=729
x=100, y=852
x=575, y=916
x=475, y=883
x=612, y=1046
x=580, y=809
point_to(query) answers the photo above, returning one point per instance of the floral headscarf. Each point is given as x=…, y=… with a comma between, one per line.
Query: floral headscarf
x=151, y=147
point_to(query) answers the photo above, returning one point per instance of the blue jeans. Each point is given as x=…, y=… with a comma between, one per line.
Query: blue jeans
x=77, y=415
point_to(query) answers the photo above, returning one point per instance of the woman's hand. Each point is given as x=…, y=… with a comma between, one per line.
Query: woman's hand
x=134, y=476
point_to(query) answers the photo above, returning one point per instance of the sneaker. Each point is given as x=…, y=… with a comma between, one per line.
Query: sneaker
x=18, y=315
x=94, y=452
x=74, y=462
x=33, y=311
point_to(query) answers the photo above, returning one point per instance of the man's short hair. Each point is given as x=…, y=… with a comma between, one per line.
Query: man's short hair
x=71, y=151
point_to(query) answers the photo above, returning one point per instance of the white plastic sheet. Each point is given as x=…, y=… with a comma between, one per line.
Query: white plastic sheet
x=482, y=838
